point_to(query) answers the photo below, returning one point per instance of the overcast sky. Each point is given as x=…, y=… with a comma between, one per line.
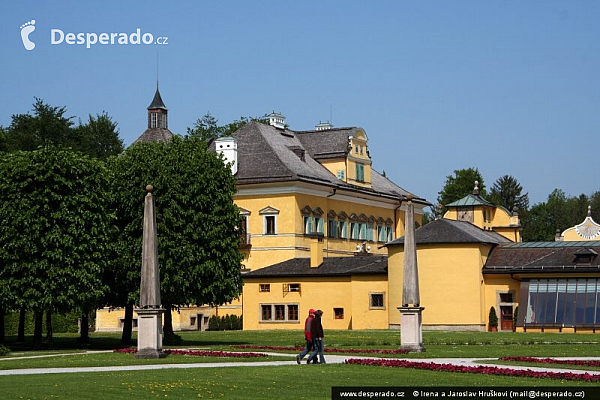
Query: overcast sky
x=508, y=87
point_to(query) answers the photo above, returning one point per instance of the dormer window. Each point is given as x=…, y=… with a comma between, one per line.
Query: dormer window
x=585, y=256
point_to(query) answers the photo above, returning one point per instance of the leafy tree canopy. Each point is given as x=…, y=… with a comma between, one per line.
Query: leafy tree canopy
x=199, y=254
x=207, y=127
x=54, y=229
x=98, y=136
x=48, y=125
x=559, y=212
x=460, y=185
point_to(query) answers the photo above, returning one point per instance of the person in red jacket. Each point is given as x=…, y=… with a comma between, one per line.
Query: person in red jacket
x=307, y=335
x=316, y=332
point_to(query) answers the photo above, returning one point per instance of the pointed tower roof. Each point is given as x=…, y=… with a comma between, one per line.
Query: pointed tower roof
x=473, y=199
x=157, y=102
x=158, y=128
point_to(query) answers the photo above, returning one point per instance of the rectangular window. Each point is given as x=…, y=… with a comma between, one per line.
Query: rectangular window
x=270, y=227
x=381, y=233
x=369, y=231
x=344, y=230
x=292, y=312
x=279, y=312
x=362, y=232
x=332, y=230
x=307, y=223
x=264, y=287
x=353, y=230
x=566, y=302
x=294, y=287
x=376, y=301
x=341, y=174
x=319, y=225
x=153, y=120
x=266, y=312
x=338, y=313
x=360, y=172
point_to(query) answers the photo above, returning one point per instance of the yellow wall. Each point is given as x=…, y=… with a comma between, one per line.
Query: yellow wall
x=363, y=317
x=494, y=285
x=334, y=165
x=450, y=283
x=326, y=293
x=109, y=320
x=496, y=219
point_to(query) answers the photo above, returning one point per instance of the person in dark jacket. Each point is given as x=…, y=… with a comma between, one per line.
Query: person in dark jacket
x=307, y=335
x=317, y=335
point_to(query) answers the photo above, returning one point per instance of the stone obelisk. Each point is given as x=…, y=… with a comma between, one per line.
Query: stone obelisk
x=150, y=311
x=411, y=326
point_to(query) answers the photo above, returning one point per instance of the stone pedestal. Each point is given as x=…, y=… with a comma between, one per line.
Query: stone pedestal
x=149, y=333
x=411, y=329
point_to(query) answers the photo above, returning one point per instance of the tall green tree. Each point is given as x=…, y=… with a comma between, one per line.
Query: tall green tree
x=508, y=193
x=54, y=231
x=47, y=125
x=198, y=240
x=460, y=185
x=98, y=137
x=207, y=128
x=556, y=214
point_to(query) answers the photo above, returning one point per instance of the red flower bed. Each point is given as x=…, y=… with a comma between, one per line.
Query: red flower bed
x=205, y=353
x=326, y=350
x=480, y=369
x=588, y=363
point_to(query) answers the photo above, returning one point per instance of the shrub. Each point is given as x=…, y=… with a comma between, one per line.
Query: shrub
x=225, y=323
x=493, y=318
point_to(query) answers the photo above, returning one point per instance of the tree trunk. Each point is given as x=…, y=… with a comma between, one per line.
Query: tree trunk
x=2, y=332
x=48, y=326
x=127, y=325
x=37, y=331
x=84, y=328
x=21, y=330
x=168, y=320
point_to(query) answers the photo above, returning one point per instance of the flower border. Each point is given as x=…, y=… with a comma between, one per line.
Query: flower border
x=588, y=363
x=480, y=369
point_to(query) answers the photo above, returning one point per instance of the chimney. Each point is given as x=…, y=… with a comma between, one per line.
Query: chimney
x=323, y=126
x=277, y=120
x=228, y=147
x=316, y=250
x=514, y=217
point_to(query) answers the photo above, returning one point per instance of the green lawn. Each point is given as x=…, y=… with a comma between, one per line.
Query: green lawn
x=290, y=381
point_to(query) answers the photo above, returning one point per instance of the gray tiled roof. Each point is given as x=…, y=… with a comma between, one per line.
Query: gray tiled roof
x=268, y=154
x=332, y=266
x=154, y=135
x=445, y=231
x=330, y=143
x=539, y=257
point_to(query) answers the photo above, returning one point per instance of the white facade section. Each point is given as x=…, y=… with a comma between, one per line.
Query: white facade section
x=228, y=147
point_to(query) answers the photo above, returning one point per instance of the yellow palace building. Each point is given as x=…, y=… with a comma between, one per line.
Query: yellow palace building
x=322, y=229
x=316, y=216
x=473, y=259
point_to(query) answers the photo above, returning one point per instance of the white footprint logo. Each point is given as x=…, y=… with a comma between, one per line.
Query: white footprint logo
x=26, y=29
